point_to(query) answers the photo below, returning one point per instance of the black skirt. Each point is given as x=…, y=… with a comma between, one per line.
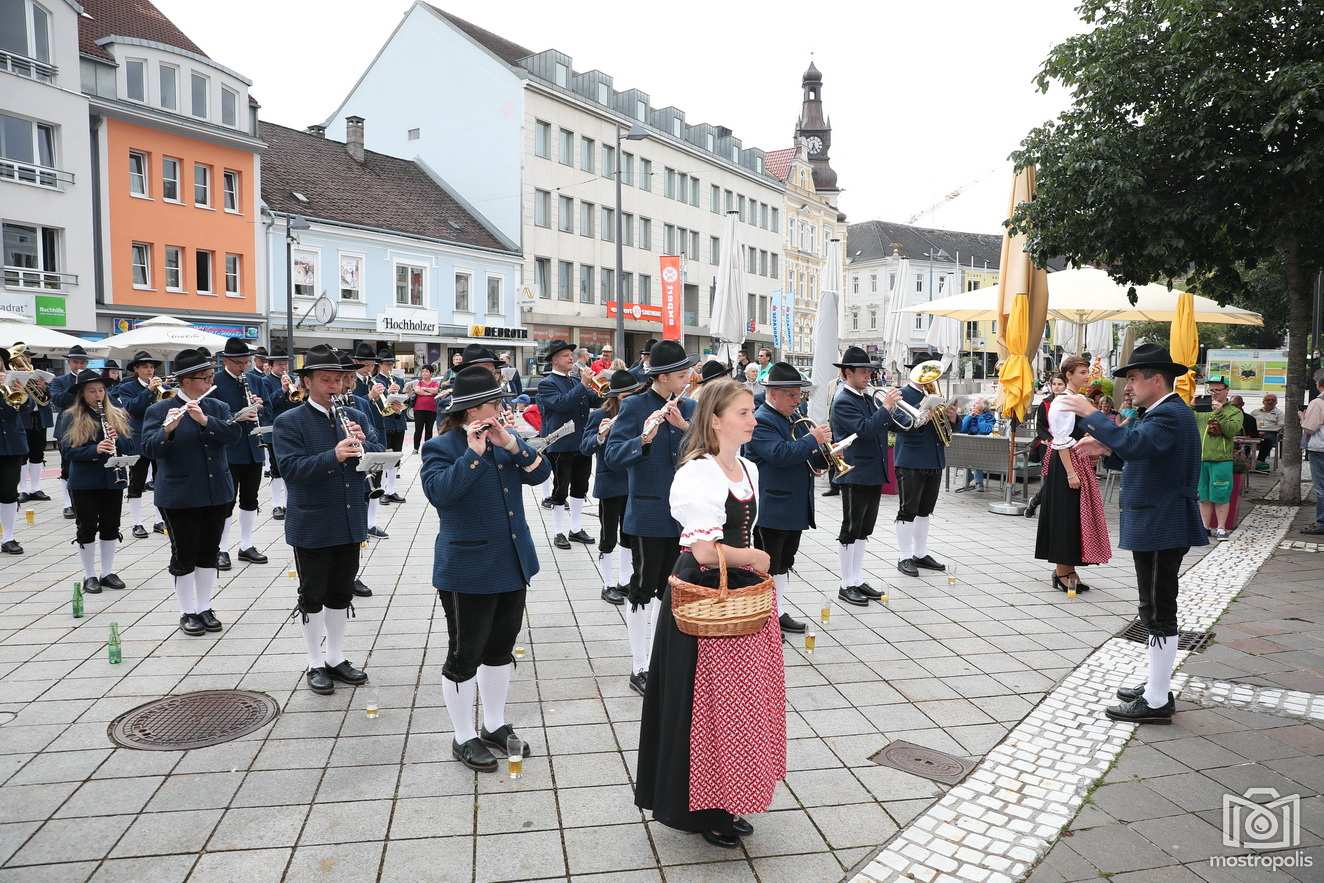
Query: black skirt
x=1058, y=539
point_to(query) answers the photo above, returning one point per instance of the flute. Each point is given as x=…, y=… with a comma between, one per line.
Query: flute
x=178, y=413
x=655, y=419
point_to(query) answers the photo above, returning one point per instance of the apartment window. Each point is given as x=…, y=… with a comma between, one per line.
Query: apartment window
x=494, y=306
x=232, y=275
x=752, y=262
x=645, y=174
x=304, y=272
x=15, y=36
x=203, y=261
x=763, y=262
x=714, y=250
x=586, y=211
x=229, y=107
x=462, y=281
x=694, y=244
x=565, y=280
x=854, y=320
x=608, y=291
x=542, y=276
x=752, y=307
x=603, y=93
x=646, y=234
x=670, y=192
x=201, y=86
x=562, y=74
x=608, y=160
x=170, y=179
x=709, y=141
x=873, y=317
x=855, y=285
x=31, y=248
x=168, y=75
x=640, y=111
x=230, y=185
x=776, y=220
x=137, y=173
x=715, y=199
x=873, y=282
x=763, y=215
x=773, y=259
x=351, y=277
x=587, y=147
x=627, y=229
x=566, y=215
x=627, y=169
x=414, y=134
x=135, y=79
x=174, y=268
x=740, y=205
x=608, y=224
x=201, y=185
x=919, y=323
x=24, y=141
x=668, y=239
x=730, y=200
x=542, y=139
x=627, y=287
x=694, y=192
x=942, y=284
x=142, y=264
x=585, y=284
x=645, y=289
x=919, y=281
x=567, y=147
x=891, y=281
x=763, y=309
x=542, y=208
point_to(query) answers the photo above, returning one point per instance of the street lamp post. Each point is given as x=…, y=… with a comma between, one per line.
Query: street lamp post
x=636, y=133
x=292, y=223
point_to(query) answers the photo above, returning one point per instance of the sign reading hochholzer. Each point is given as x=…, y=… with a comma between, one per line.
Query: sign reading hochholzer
x=397, y=324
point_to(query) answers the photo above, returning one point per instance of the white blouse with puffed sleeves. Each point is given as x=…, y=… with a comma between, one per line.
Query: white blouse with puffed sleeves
x=1061, y=423
x=698, y=497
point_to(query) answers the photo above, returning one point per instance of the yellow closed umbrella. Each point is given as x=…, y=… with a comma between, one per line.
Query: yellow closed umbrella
x=1016, y=374
x=1184, y=344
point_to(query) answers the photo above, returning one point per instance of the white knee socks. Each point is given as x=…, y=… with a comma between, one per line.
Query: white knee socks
x=107, y=556
x=246, y=519
x=33, y=474
x=493, y=685
x=186, y=592
x=278, y=492
x=64, y=492
x=388, y=479
x=336, y=620
x=225, y=534
x=136, y=511
x=372, y=513
x=459, y=700
x=781, y=582
x=653, y=607
x=558, y=519
x=1161, y=659
x=857, y=561
x=845, y=558
x=204, y=583
x=576, y=513
x=624, y=565
x=313, y=628
x=636, y=629
x=607, y=564
x=87, y=553
x=905, y=544
x=920, y=537
x=7, y=513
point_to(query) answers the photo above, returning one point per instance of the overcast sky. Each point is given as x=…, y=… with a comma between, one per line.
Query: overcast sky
x=924, y=97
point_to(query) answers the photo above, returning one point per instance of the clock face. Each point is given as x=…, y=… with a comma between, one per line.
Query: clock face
x=324, y=311
x=815, y=144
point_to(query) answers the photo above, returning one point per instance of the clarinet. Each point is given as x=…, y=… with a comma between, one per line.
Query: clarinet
x=338, y=404
x=121, y=473
x=248, y=400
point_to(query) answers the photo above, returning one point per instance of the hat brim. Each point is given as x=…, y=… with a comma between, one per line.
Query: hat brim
x=1166, y=367
x=336, y=366
x=464, y=403
x=201, y=366
x=547, y=357
x=136, y=362
x=84, y=356
x=625, y=390
x=687, y=362
x=784, y=384
x=871, y=365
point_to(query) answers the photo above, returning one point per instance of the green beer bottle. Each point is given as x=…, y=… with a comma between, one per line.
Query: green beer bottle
x=113, y=651
x=78, y=600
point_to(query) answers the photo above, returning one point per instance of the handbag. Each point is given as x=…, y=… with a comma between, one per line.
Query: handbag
x=723, y=612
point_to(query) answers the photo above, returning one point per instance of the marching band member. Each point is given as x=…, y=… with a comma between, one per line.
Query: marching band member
x=561, y=399
x=365, y=361
x=394, y=423
x=710, y=371
x=920, y=459
x=645, y=441
x=245, y=456
x=786, y=486
x=61, y=399
x=35, y=422
x=278, y=385
x=854, y=412
x=473, y=473
x=135, y=396
x=611, y=488
x=96, y=490
x=640, y=368
x=13, y=454
x=348, y=368
x=187, y=437
x=319, y=446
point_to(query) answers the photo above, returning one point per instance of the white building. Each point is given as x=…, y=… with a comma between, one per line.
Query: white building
x=530, y=142
x=46, y=190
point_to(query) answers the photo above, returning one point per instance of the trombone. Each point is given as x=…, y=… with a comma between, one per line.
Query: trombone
x=831, y=452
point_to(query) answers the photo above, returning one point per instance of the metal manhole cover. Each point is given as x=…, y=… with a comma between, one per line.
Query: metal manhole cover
x=1194, y=641
x=925, y=762
x=193, y=720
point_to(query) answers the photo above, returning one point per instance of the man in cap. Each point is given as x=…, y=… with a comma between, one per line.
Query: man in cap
x=244, y=455
x=61, y=392
x=563, y=398
x=1219, y=423
x=393, y=422
x=135, y=396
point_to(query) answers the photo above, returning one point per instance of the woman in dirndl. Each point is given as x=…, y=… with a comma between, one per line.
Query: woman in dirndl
x=1073, y=531
x=712, y=742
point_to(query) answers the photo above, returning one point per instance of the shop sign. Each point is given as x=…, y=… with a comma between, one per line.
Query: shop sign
x=498, y=332
x=638, y=312
x=50, y=311
x=418, y=324
x=121, y=324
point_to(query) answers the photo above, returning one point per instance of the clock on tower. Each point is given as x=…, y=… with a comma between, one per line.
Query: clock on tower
x=816, y=131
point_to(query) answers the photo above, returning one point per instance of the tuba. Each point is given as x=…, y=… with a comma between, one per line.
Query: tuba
x=20, y=361
x=925, y=376
x=831, y=452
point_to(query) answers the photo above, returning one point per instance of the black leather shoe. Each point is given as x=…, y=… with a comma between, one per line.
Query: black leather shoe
x=209, y=620
x=383, y=500
x=546, y=502
x=11, y=547
x=907, y=566
x=497, y=739
x=69, y=512
x=852, y=595
x=561, y=542
x=149, y=486
x=278, y=513
x=111, y=581
x=639, y=682
x=928, y=562
x=1137, y=711
x=741, y=827
x=139, y=532
x=869, y=591
x=252, y=556
x=190, y=624
x=791, y=626
x=24, y=498
x=726, y=841
x=347, y=674
x=580, y=536
x=394, y=498
x=613, y=595
x=475, y=755
x=223, y=561
x=159, y=527
x=378, y=533
x=40, y=496
x=319, y=681
x=92, y=586
x=833, y=491
x=360, y=590
x=1131, y=694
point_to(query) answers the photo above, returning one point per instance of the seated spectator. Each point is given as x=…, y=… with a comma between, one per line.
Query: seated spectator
x=1269, y=421
x=979, y=421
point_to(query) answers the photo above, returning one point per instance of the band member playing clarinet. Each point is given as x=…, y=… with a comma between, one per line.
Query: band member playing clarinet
x=135, y=396
x=373, y=484
x=394, y=422
x=187, y=436
x=563, y=397
x=234, y=387
x=611, y=487
x=474, y=473
x=279, y=385
x=95, y=431
x=319, y=446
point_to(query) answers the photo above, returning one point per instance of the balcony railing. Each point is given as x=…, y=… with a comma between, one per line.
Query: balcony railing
x=37, y=176
x=37, y=280
x=22, y=66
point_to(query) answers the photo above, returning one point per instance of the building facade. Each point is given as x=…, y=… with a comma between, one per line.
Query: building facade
x=545, y=177
x=404, y=262
x=46, y=180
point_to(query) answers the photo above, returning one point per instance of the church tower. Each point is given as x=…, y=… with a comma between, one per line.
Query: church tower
x=816, y=131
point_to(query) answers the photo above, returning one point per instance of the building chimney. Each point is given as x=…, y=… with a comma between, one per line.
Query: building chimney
x=354, y=137
x=319, y=131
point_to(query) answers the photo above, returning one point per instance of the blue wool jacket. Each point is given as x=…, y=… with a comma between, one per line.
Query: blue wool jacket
x=396, y=422
x=650, y=467
x=483, y=543
x=244, y=450
x=61, y=391
x=560, y=400
x=1160, y=474
x=854, y=414
x=919, y=448
x=327, y=499
x=134, y=398
x=607, y=482
x=87, y=466
x=39, y=416
x=13, y=434
x=786, y=484
x=192, y=469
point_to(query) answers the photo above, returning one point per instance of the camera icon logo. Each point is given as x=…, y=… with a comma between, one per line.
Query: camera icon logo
x=1261, y=819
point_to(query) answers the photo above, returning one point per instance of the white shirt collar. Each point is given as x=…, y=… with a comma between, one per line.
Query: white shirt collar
x=143, y=383
x=235, y=376
x=1162, y=400
x=849, y=388
x=319, y=407
x=560, y=373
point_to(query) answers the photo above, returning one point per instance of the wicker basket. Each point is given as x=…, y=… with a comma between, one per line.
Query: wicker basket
x=722, y=612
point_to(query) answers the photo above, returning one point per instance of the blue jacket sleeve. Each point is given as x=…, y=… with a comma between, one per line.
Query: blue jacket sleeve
x=1152, y=437
x=447, y=478
x=527, y=455
x=588, y=441
x=772, y=448
x=87, y=453
x=850, y=418
x=624, y=446
x=552, y=401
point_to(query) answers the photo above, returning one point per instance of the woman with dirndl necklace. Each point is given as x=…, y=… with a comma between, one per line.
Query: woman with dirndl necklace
x=712, y=742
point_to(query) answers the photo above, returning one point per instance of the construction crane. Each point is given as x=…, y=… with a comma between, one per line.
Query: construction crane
x=951, y=195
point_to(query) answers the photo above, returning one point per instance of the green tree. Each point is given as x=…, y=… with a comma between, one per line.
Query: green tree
x=1193, y=148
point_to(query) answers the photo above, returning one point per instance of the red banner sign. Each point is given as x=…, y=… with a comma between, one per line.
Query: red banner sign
x=673, y=290
x=639, y=312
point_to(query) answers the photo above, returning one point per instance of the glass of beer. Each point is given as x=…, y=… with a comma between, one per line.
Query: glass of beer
x=825, y=609
x=515, y=756
x=811, y=637
x=519, y=651
x=952, y=575
x=30, y=516
x=371, y=702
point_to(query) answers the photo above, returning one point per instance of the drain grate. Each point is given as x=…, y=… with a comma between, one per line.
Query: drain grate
x=927, y=763
x=193, y=720
x=1194, y=641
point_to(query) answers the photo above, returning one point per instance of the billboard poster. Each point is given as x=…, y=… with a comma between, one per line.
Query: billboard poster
x=1250, y=370
x=672, y=292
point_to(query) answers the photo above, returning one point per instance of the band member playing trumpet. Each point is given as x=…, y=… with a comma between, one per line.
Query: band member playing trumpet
x=35, y=422
x=135, y=396
x=394, y=422
x=920, y=460
x=562, y=398
x=611, y=488
x=474, y=473
x=96, y=430
x=187, y=436
x=367, y=389
x=645, y=441
x=319, y=445
x=14, y=406
x=854, y=412
x=245, y=455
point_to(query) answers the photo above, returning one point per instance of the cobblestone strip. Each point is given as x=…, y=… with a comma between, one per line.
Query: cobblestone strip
x=1267, y=700
x=1300, y=546
x=1005, y=816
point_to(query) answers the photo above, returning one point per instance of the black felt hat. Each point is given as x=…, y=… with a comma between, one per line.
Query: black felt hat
x=324, y=357
x=854, y=357
x=648, y=345
x=1155, y=356
x=365, y=353
x=261, y=351
x=622, y=382
x=472, y=387
x=554, y=347
x=76, y=352
x=236, y=349
x=667, y=356
x=385, y=355
x=190, y=361
x=84, y=377
x=713, y=370
x=783, y=374
x=142, y=357
x=476, y=354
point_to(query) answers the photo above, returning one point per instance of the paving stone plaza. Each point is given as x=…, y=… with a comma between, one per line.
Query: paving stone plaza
x=996, y=668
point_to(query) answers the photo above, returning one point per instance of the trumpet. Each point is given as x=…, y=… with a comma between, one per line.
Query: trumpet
x=297, y=393
x=830, y=452
x=599, y=383
x=162, y=392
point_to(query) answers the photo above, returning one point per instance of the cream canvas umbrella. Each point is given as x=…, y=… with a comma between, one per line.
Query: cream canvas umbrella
x=827, y=325
x=727, y=324
x=896, y=329
x=45, y=341
x=163, y=336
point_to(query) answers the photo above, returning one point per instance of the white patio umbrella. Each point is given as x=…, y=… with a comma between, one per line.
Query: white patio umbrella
x=162, y=336
x=896, y=327
x=827, y=340
x=43, y=340
x=945, y=338
x=727, y=324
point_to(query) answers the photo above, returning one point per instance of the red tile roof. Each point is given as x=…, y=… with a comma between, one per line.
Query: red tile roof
x=128, y=18
x=778, y=162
